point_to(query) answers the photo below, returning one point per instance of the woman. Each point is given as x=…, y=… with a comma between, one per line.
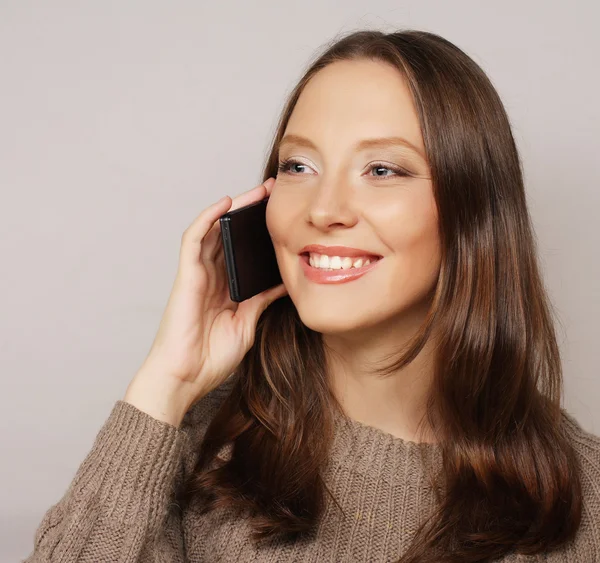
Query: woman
x=397, y=398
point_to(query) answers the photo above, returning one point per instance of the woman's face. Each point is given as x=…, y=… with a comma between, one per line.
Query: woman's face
x=335, y=192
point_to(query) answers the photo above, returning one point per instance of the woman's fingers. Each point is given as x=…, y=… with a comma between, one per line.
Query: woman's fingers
x=212, y=246
x=251, y=309
x=194, y=235
x=269, y=183
x=255, y=194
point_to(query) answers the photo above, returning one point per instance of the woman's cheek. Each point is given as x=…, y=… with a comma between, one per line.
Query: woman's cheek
x=276, y=218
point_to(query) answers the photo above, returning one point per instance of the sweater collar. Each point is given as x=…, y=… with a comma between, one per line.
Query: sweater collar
x=364, y=449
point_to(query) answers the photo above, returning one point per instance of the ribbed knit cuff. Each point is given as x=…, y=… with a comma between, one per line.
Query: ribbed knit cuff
x=129, y=473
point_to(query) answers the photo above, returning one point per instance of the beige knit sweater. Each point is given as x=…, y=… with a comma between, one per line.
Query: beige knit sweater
x=118, y=507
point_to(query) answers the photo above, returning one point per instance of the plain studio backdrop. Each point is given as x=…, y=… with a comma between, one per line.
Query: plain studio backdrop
x=121, y=120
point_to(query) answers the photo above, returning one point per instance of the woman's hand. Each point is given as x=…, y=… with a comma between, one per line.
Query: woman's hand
x=203, y=335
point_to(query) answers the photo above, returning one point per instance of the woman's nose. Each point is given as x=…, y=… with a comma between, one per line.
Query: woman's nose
x=330, y=206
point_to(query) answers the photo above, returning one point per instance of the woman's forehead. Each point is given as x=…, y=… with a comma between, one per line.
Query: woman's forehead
x=357, y=100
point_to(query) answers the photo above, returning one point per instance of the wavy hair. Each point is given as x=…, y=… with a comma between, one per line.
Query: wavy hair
x=510, y=476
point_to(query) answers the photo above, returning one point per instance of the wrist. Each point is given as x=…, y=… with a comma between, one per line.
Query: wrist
x=158, y=396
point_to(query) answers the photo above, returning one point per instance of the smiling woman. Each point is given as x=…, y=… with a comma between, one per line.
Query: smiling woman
x=443, y=350
x=402, y=402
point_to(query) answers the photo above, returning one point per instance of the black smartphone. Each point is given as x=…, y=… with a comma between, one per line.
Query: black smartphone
x=249, y=254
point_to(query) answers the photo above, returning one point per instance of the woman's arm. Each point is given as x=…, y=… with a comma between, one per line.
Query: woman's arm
x=117, y=506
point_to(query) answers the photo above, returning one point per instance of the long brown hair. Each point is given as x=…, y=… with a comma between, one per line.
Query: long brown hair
x=511, y=477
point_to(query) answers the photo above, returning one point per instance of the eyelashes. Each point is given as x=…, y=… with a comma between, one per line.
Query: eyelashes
x=284, y=168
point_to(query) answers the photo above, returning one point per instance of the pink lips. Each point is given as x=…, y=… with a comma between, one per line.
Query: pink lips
x=334, y=276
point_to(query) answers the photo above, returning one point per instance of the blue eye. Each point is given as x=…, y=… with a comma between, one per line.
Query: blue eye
x=285, y=166
x=379, y=167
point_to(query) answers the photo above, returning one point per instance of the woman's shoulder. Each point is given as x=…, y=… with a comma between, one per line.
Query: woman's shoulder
x=586, y=445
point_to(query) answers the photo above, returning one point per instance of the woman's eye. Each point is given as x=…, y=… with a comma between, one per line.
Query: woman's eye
x=286, y=165
x=395, y=170
x=379, y=168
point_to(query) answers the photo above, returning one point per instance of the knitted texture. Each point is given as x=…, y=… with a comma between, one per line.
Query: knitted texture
x=120, y=505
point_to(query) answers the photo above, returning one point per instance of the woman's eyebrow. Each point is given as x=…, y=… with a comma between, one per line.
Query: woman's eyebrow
x=377, y=142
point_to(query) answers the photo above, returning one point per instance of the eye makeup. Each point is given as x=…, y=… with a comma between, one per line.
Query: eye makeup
x=285, y=165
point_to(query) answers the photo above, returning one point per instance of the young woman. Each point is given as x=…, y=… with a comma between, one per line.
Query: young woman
x=398, y=397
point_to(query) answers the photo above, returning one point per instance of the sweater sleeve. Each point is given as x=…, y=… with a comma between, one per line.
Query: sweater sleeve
x=117, y=506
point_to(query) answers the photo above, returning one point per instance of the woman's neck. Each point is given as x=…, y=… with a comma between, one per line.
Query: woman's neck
x=395, y=403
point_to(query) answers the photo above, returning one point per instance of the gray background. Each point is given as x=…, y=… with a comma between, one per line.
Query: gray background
x=121, y=121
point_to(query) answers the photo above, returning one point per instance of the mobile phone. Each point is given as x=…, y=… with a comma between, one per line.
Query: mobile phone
x=249, y=254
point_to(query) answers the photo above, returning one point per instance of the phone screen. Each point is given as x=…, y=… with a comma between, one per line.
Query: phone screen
x=249, y=254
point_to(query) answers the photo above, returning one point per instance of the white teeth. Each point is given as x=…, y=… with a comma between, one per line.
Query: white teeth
x=326, y=262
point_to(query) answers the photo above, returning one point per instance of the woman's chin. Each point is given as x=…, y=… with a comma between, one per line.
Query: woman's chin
x=328, y=320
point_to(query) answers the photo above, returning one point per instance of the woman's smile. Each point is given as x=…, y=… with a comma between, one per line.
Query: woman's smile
x=335, y=275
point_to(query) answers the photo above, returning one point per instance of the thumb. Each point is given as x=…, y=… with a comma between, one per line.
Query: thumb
x=252, y=308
